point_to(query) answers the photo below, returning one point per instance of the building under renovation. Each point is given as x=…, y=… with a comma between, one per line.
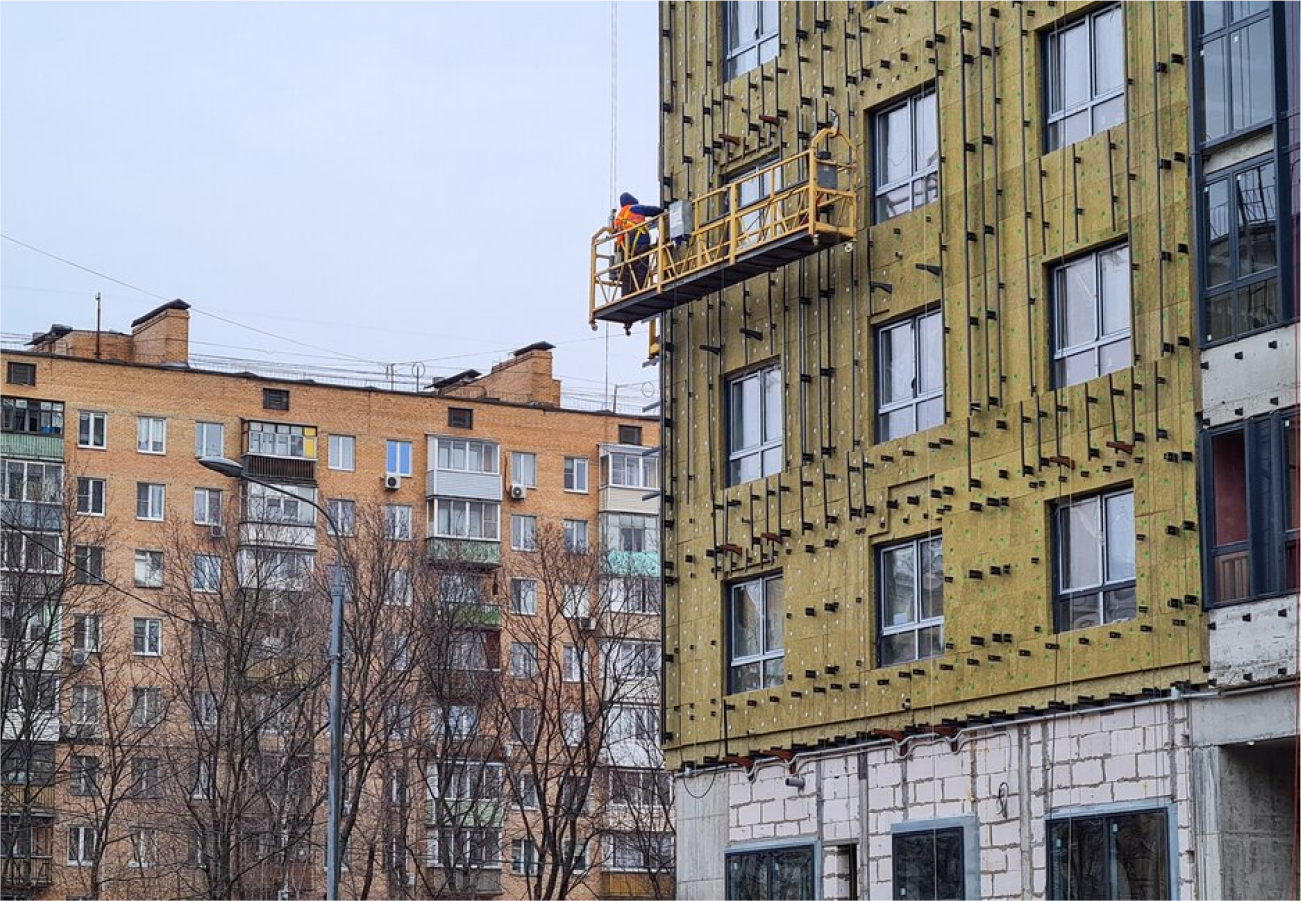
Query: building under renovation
x=977, y=332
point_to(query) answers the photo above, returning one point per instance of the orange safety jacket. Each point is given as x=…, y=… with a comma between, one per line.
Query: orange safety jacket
x=625, y=223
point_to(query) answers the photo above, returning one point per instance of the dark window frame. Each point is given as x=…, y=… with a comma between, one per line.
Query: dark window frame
x=965, y=828
x=1108, y=815
x=1062, y=597
x=915, y=175
x=767, y=855
x=630, y=435
x=15, y=367
x=460, y=417
x=1200, y=37
x=1267, y=514
x=275, y=399
x=1236, y=283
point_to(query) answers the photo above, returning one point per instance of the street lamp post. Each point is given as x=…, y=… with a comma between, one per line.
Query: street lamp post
x=234, y=470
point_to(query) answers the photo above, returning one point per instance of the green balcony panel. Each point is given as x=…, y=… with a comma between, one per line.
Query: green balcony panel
x=633, y=563
x=31, y=447
x=454, y=551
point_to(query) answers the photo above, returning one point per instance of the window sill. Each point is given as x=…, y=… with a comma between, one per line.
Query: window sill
x=91, y=447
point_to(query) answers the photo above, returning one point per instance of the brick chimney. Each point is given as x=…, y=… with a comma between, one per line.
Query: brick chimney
x=163, y=335
x=525, y=379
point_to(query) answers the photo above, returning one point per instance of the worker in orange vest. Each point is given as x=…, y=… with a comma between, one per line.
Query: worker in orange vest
x=632, y=238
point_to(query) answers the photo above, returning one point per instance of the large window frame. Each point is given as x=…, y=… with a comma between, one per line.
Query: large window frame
x=1104, y=105
x=1213, y=23
x=916, y=184
x=472, y=455
x=1239, y=278
x=1109, y=348
x=749, y=42
x=92, y=430
x=754, y=872
x=759, y=444
x=943, y=842
x=1112, y=584
x=1246, y=564
x=1107, y=824
x=923, y=402
x=760, y=662
x=470, y=520
x=923, y=625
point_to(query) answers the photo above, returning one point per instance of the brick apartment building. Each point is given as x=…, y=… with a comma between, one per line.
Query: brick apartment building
x=979, y=373
x=165, y=630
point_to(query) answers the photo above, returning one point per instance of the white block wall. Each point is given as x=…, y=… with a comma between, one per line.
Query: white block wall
x=1008, y=778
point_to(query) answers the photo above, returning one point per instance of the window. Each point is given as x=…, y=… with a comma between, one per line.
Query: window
x=88, y=560
x=524, y=469
x=910, y=376
x=397, y=521
x=573, y=794
x=1095, y=560
x=929, y=862
x=275, y=399
x=460, y=588
x=749, y=35
x=457, y=721
x=1253, y=507
x=144, y=847
x=343, y=453
x=911, y=576
x=523, y=659
x=22, y=374
x=149, y=569
x=639, y=788
x=632, y=532
x=203, y=709
x=576, y=474
x=397, y=457
x=84, y=776
x=398, y=648
x=146, y=706
x=86, y=703
x=572, y=728
x=524, y=596
x=342, y=513
x=282, y=439
x=633, y=722
x=524, y=533
x=574, y=600
x=467, y=455
x=31, y=417
x=397, y=719
x=1086, y=77
x=526, y=792
x=1091, y=316
x=754, y=425
x=574, y=666
x=27, y=480
x=524, y=857
x=31, y=553
x=86, y=632
x=90, y=496
x=466, y=519
x=285, y=504
x=635, y=594
x=906, y=174
x=398, y=590
x=207, y=573
x=524, y=725
x=92, y=430
x=151, y=435
x=630, y=434
x=1123, y=855
x=202, y=786
x=627, y=659
x=460, y=417
x=576, y=536
x=1240, y=265
x=82, y=841
x=1236, y=73
x=466, y=849
x=468, y=650
x=778, y=873
x=636, y=851
x=147, y=636
x=757, y=618
x=207, y=506
x=151, y=500
x=209, y=439
x=632, y=470
x=144, y=777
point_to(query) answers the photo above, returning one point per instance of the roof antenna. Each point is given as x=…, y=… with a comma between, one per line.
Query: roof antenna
x=97, y=325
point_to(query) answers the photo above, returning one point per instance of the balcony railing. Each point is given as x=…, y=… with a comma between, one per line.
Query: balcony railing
x=471, y=553
x=475, y=616
x=467, y=813
x=26, y=872
x=27, y=446
x=35, y=800
x=807, y=202
x=632, y=563
x=280, y=469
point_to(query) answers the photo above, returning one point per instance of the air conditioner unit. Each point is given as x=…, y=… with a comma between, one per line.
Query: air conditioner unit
x=586, y=623
x=517, y=492
x=79, y=657
x=392, y=481
x=218, y=531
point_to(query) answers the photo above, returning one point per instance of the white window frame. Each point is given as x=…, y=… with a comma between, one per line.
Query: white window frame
x=644, y=465
x=1054, y=60
x=629, y=658
x=524, y=468
x=95, y=499
x=524, y=596
x=87, y=703
x=207, y=573
x=523, y=532
x=765, y=654
x=922, y=178
x=83, y=841
x=203, y=439
x=455, y=505
x=577, y=537
x=147, y=708
x=576, y=475
x=151, y=497
x=576, y=664
x=919, y=396
x=642, y=527
x=524, y=857
x=635, y=594
x=524, y=664
x=1102, y=541
x=398, y=522
x=916, y=625
x=87, y=423
x=154, y=574
x=397, y=457
x=144, y=848
x=203, y=708
x=576, y=600
x=764, y=41
x=738, y=454
x=149, y=642
x=205, y=500
x=1102, y=340
x=341, y=452
x=343, y=511
x=448, y=449
x=87, y=632
x=285, y=440
x=151, y=434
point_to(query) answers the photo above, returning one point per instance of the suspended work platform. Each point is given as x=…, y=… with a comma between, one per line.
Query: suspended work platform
x=755, y=224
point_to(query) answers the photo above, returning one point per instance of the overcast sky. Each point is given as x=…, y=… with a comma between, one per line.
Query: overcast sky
x=387, y=182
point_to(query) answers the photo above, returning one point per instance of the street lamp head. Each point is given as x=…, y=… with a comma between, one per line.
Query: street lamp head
x=223, y=465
